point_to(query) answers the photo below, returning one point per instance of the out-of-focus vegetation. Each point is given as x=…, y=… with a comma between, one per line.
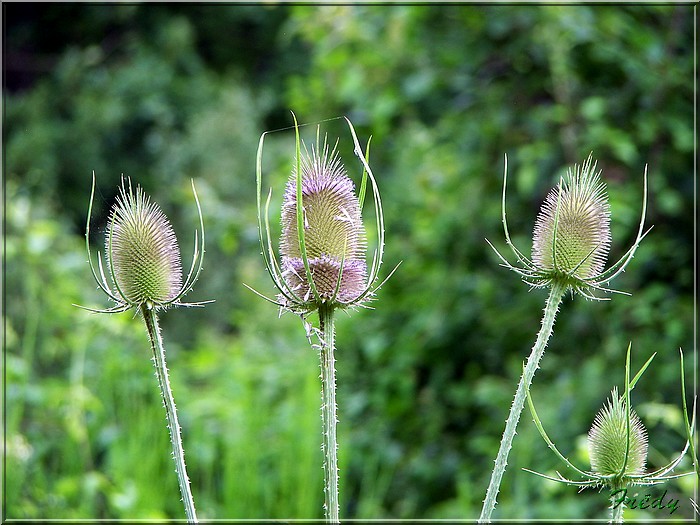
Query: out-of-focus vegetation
x=169, y=93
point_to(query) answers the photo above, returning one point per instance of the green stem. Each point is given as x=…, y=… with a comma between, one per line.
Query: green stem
x=550, y=311
x=149, y=316
x=328, y=412
x=616, y=511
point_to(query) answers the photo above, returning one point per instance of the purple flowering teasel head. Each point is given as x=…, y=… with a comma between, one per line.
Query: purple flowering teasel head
x=571, y=238
x=334, y=233
x=142, y=255
x=323, y=242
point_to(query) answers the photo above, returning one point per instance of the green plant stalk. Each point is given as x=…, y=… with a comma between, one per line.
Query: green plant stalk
x=149, y=316
x=328, y=412
x=556, y=294
x=616, y=512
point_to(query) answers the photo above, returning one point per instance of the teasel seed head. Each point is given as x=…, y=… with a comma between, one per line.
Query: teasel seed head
x=334, y=234
x=571, y=238
x=323, y=243
x=607, y=440
x=143, y=250
x=572, y=231
x=142, y=255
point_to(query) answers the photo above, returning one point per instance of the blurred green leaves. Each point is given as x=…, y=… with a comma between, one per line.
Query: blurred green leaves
x=165, y=93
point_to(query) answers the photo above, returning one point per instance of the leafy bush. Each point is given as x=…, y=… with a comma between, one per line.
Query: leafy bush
x=168, y=93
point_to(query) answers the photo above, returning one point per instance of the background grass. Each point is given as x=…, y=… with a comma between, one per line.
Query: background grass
x=169, y=93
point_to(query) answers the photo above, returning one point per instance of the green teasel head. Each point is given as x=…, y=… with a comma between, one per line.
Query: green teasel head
x=571, y=238
x=323, y=244
x=617, y=441
x=142, y=255
x=572, y=232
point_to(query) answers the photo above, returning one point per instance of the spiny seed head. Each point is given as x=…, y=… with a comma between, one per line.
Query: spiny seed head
x=142, y=250
x=572, y=230
x=607, y=440
x=334, y=236
x=332, y=221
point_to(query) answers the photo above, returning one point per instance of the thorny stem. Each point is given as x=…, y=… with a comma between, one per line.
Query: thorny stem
x=616, y=511
x=149, y=316
x=550, y=311
x=328, y=412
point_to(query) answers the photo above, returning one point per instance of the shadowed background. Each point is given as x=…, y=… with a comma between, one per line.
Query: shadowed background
x=169, y=93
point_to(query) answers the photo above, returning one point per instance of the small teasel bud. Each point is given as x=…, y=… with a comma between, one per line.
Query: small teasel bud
x=334, y=235
x=142, y=250
x=572, y=230
x=607, y=440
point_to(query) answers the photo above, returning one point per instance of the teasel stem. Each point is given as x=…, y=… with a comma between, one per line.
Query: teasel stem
x=616, y=511
x=151, y=320
x=556, y=294
x=328, y=411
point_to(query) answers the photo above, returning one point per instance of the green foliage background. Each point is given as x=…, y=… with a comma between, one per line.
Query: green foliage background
x=169, y=93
